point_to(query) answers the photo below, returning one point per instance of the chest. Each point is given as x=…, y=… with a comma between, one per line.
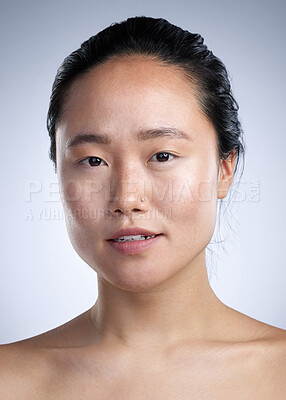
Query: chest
x=198, y=382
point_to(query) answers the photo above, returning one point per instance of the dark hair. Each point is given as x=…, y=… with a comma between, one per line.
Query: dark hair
x=167, y=43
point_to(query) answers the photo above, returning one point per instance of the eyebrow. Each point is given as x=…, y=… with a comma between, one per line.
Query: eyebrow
x=142, y=135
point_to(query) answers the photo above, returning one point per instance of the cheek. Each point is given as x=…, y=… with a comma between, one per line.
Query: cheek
x=83, y=201
x=193, y=204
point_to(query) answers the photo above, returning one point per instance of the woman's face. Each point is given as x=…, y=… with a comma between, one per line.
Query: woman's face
x=140, y=107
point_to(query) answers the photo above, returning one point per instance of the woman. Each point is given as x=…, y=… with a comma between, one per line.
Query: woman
x=145, y=139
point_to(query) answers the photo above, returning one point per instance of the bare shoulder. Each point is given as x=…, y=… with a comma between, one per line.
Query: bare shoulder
x=23, y=372
x=267, y=357
x=259, y=348
x=272, y=359
x=27, y=367
x=274, y=344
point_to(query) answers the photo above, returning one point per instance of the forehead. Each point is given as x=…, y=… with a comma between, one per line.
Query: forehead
x=143, y=70
x=129, y=94
x=131, y=79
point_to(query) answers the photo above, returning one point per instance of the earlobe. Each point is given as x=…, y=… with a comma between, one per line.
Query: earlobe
x=225, y=178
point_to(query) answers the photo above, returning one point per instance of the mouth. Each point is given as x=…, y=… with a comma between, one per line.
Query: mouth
x=134, y=246
x=134, y=238
x=132, y=233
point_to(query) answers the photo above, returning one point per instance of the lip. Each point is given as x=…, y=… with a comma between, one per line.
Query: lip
x=132, y=231
x=133, y=247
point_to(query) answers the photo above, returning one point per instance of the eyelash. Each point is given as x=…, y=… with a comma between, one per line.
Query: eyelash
x=160, y=152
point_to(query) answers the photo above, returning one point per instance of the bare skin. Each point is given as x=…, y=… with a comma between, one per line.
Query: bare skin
x=65, y=363
x=157, y=330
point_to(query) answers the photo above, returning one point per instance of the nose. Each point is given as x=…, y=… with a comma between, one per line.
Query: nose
x=126, y=195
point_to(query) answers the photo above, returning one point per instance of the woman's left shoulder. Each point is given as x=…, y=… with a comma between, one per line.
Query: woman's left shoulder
x=273, y=357
x=262, y=360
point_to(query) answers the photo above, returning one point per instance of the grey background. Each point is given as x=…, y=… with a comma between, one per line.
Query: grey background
x=43, y=283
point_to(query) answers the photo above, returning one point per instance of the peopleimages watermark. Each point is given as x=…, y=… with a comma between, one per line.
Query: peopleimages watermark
x=49, y=191
x=56, y=214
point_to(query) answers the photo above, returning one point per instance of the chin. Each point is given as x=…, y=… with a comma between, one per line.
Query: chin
x=135, y=277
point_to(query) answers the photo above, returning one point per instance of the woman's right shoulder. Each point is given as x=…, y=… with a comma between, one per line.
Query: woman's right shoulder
x=24, y=371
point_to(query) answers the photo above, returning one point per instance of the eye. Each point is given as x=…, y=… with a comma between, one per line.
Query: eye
x=163, y=156
x=91, y=161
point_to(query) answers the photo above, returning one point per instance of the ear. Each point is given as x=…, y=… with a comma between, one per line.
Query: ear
x=225, y=176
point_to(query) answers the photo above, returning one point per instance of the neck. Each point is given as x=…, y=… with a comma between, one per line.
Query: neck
x=182, y=308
